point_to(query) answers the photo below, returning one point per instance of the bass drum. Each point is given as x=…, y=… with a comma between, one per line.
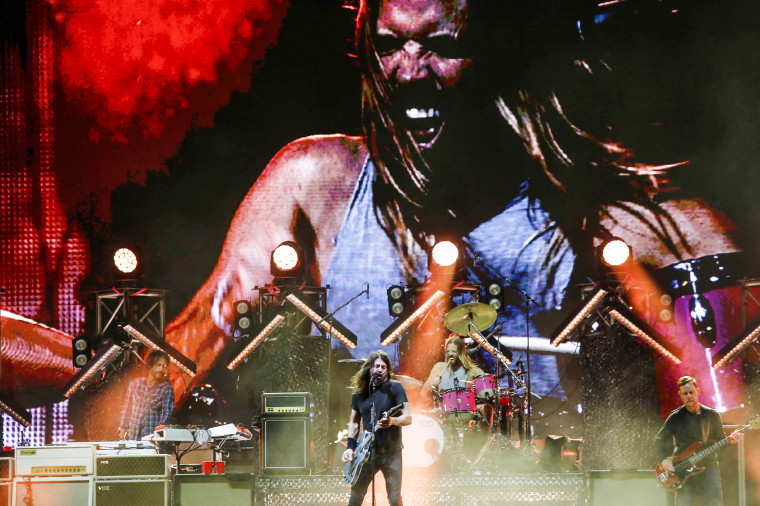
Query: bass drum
x=423, y=440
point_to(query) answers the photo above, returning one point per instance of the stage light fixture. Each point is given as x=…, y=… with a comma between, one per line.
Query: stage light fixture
x=495, y=296
x=328, y=323
x=615, y=252
x=397, y=300
x=403, y=322
x=664, y=307
x=81, y=351
x=125, y=260
x=243, y=317
x=109, y=352
x=444, y=254
x=18, y=414
x=749, y=334
x=147, y=337
x=287, y=262
x=248, y=349
x=574, y=320
x=645, y=333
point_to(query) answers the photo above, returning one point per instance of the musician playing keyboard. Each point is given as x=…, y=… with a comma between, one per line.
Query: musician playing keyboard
x=693, y=423
x=149, y=401
x=375, y=392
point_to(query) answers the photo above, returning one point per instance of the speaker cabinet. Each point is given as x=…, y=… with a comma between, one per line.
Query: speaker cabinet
x=131, y=466
x=626, y=488
x=53, y=491
x=5, y=493
x=285, y=447
x=6, y=468
x=142, y=492
x=205, y=489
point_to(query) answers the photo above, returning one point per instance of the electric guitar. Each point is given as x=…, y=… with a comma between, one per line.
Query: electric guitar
x=361, y=454
x=685, y=463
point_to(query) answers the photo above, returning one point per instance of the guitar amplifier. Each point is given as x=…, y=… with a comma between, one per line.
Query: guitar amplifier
x=131, y=466
x=286, y=404
x=142, y=492
x=54, y=460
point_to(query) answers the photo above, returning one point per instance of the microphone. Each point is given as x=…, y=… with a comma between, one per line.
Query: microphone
x=374, y=375
x=367, y=290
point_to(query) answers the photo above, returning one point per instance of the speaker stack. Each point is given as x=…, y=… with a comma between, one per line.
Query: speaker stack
x=286, y=433
x=132, y=479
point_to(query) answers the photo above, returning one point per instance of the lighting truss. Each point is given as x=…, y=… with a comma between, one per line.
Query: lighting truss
x=744, y=339
x=572, y=322
x=268, y=329
x=326, y=322
x=144, y=335
x=104, y=357
x=645, y=332
x=404, y=322
x=18, y=414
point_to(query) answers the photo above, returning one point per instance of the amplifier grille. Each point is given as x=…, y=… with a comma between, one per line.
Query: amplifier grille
x=142, y=492
x=126, y=466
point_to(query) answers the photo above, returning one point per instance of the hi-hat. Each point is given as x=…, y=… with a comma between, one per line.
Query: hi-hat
x=466, y=318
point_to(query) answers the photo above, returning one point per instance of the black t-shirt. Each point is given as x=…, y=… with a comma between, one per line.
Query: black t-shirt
x=685, y=428
x=389, y=394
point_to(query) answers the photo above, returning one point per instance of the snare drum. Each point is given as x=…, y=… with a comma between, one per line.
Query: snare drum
x=458, y=400
x=484, y=385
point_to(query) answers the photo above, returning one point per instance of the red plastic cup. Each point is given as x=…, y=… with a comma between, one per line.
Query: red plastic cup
x=219, y=467
x=208, y=467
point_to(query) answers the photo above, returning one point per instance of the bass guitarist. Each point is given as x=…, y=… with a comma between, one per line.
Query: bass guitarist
x=375, y=392
x=693, y=423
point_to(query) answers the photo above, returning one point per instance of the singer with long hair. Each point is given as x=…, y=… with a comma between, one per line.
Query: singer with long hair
x=374, y=394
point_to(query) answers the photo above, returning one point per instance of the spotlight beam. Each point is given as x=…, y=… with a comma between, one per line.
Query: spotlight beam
x=268, y=329
x=402, y=323
x=646, y=333
x=142, y=334
x=749, y=334
x=572, y=322
x=327, y=322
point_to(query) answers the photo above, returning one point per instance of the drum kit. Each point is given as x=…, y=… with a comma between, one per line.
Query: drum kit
x=475, y=416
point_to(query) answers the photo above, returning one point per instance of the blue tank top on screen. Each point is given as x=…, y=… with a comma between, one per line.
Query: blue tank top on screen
x=514, y=242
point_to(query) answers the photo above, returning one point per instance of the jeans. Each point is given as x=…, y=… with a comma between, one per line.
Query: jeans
x=702, y=489
x=390, y=466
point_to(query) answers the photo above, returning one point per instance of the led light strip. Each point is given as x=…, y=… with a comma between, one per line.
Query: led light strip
x=643, y=335
x=736, y=349
x=129, y=329
x=490, y=349
x=414, y=316
x=256, y=340
x=320, y=321
x=94, y=368
x=579, y=317
x=12, y=413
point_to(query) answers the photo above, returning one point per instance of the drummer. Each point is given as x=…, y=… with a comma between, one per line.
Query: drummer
x=456, y=372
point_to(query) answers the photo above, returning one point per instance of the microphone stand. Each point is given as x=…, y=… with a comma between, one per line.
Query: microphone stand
x=372, y=416
x=527, y=300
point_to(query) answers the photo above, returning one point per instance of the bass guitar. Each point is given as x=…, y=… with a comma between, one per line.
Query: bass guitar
x=361, y=454
x=685, y=463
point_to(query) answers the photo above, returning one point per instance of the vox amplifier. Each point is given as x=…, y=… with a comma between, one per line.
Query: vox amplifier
x=137, y=492
x=131, y=466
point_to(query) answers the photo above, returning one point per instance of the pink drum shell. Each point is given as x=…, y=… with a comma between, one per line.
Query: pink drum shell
x=484, y=385
x=459, y=400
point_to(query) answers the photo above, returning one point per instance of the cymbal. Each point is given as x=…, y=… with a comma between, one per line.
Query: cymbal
x=408, y=382
x=462, y=318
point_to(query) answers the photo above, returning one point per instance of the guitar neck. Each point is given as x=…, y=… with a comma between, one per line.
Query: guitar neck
x=707, y=451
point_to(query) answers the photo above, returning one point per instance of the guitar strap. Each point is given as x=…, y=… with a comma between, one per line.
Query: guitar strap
x=702, y=426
